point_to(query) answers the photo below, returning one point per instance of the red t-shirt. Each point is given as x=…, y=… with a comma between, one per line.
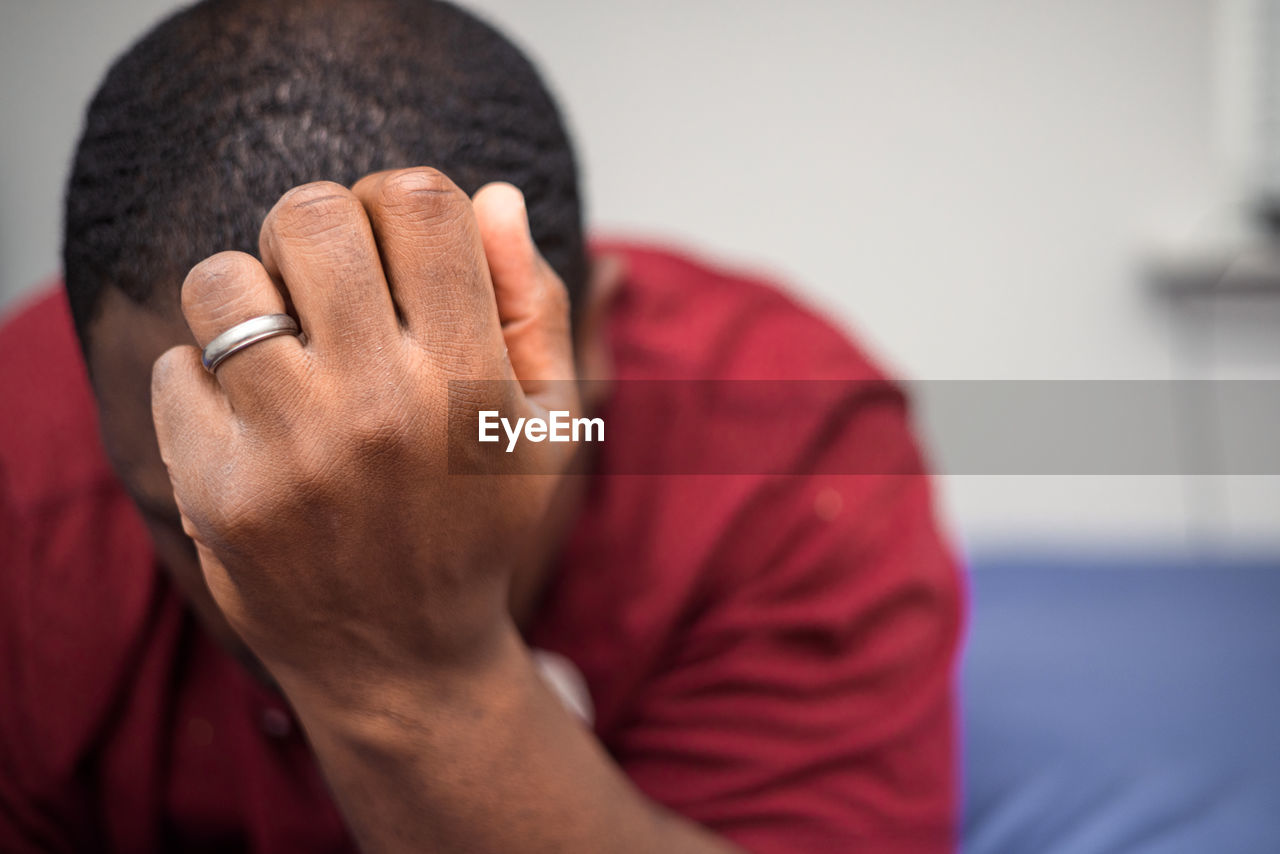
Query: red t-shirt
x=769, y=654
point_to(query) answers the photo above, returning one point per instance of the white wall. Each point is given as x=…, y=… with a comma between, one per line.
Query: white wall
x=971, y=185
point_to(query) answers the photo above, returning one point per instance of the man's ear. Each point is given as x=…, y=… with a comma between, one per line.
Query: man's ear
x=590, y=337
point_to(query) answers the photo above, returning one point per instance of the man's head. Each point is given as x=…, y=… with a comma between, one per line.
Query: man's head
x=201, y=126
x=205, y=122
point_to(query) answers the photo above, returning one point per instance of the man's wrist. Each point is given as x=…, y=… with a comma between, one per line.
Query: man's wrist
x=382, y=707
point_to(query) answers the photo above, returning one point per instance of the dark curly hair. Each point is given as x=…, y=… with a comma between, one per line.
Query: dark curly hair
x=210, y=117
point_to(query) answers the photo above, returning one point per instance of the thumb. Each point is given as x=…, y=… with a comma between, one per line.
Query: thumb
x=533, y=304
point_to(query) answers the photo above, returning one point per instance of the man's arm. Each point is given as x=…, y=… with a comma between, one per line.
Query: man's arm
x=483, y=760
x=365, y=566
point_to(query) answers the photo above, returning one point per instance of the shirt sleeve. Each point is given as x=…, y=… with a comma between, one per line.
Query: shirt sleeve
x=806, y=704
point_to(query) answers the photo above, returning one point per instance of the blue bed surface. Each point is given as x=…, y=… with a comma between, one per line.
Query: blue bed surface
x=1122, y=705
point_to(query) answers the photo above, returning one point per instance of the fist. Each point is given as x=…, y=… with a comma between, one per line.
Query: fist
x=314, y=473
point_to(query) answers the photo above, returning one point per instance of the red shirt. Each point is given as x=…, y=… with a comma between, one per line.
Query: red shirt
x=770, y=655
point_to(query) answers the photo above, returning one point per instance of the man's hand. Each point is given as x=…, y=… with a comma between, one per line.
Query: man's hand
x=312, y=474
x=364, y=564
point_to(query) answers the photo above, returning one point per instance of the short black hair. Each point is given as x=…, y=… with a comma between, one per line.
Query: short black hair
x=199, y=128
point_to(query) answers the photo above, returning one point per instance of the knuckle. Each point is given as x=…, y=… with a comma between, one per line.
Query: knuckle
x=419, y=180
x=217, y=280
x=312, y=210
x=421, y=192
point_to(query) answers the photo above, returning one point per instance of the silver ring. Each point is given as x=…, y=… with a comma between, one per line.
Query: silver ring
x=246, y=334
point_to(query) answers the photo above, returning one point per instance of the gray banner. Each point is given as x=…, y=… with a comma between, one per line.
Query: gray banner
x=1001, y=427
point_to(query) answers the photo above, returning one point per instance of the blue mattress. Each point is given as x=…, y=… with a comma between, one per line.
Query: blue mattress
x=1122, y=705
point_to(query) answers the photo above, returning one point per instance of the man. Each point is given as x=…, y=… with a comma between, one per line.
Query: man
x=299, y=611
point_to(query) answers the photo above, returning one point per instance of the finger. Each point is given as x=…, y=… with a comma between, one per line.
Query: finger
x=318, y=242
x=533, y=304
x=193, y=422
x=230, y=288
x=434, y=260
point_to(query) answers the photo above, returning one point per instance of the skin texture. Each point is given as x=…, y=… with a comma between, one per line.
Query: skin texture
x=303, y=473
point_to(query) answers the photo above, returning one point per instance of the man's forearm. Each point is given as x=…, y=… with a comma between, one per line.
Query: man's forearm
x=486, y=760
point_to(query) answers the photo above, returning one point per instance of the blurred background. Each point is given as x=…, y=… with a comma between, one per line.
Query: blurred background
x=982, y=190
